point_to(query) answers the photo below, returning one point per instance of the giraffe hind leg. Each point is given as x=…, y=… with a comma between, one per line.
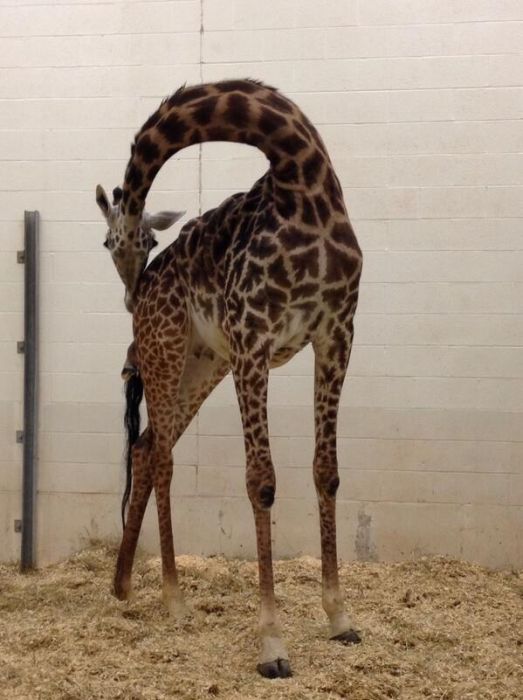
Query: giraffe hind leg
x=141, y=490
x=331, y=361
x=171, y=409
x=202, y=372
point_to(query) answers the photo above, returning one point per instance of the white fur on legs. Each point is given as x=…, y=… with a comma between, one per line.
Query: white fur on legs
x=272, y=648
x=340, y=622
x=273, y=658
x=174, y=602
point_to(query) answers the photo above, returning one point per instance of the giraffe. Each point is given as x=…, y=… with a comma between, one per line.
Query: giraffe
x=242, y=289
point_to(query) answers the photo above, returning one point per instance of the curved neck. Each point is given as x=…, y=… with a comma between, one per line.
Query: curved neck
x=241, y=111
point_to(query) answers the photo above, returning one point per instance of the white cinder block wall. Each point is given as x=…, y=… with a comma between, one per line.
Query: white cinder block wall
x=420, y=104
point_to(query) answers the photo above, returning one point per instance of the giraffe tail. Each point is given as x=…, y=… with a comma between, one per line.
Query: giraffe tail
x=133, y=399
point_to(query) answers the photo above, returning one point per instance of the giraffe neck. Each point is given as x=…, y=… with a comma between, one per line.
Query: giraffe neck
x=241, y=111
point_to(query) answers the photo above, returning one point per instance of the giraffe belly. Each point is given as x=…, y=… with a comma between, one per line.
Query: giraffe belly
x=210, y=333
x=291, y=340
x=293, y=337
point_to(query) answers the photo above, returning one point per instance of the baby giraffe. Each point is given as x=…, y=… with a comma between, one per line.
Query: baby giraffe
x=242, y=289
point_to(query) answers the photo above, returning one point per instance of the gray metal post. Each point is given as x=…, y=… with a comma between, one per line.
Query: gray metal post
x=30, y=434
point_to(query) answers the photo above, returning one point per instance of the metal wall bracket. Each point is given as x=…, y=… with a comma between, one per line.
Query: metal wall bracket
x=20, y=257
x=20, y=347
x=20, y=436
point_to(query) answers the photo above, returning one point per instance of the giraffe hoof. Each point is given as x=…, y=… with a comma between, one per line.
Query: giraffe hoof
x=279, y=668
x=348, y=637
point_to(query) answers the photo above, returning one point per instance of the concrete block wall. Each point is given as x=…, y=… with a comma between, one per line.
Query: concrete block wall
x=420, y=105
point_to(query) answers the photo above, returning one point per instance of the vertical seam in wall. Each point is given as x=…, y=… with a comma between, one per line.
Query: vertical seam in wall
x=200, y=145
x=197, y=460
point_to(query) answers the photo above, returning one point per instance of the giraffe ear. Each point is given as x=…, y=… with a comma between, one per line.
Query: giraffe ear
x=102, y=201
x=164, y=219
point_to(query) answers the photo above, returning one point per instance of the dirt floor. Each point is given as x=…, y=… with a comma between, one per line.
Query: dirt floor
x=431, y=629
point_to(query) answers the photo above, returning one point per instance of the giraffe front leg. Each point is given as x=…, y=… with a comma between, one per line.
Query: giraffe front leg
x=251, y=388
x=330, y=368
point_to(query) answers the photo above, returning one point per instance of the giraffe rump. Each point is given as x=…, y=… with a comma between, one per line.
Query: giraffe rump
x=133, y=399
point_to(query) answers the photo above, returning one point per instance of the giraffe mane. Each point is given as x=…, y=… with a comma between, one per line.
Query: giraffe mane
x=182, y=95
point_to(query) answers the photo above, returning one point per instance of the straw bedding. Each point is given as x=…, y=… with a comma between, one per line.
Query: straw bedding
x=431, y=629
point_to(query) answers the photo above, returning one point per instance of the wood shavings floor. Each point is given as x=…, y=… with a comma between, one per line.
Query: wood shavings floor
x=431, y=629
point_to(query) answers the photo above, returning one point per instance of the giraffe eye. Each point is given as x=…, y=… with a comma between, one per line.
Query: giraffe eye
x=106, y=243
x=154, y=243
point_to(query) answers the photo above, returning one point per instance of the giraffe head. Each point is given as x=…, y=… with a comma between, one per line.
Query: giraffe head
x=131, y=243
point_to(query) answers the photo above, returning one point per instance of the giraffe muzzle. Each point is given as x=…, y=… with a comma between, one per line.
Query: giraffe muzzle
x=129, y=301
x=130, y=272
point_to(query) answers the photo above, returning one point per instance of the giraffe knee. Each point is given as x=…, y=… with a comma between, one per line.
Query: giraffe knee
x=327, y=482
x=261, y=491
x=261, y=497
x=266, y=495
x=332, y=486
